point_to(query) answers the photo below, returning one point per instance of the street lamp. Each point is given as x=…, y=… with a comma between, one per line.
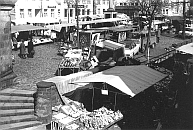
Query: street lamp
x=41, y=14
x=77, y=21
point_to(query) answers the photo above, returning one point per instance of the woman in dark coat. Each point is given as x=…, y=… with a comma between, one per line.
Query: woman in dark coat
x=30, y=48
x=22, y=49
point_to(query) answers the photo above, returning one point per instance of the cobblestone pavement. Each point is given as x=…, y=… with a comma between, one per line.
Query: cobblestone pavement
x=29, y=71
x=166, y=41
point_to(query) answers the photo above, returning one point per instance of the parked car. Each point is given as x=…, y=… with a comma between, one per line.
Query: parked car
x=132, y=47
x=188, y=32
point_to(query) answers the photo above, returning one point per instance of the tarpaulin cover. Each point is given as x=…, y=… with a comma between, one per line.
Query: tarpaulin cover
x=20, y=28
x=188, y=48
x=58, y=27
x=63, y=82
x=110, y=44
x=131, y=80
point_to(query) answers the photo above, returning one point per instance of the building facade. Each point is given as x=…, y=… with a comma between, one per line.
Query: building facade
x=174, y=7
x=101, y=6
x=61, y=10
x=68, y=10
x=29, y=9
x=128, y=7
x=6, y=67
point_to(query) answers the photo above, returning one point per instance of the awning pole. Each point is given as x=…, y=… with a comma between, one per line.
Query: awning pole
x=92, y=97
x=115, y=101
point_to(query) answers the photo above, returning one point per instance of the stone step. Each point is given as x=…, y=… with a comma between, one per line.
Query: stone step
x=16, y=119
x=17, y=92
x=20, y=125
x=39, y=127
x=16, y=99
x=9, y=106
x=16, y=112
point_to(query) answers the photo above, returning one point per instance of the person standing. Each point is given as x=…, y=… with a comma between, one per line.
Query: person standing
x=158, y=35
x=14, y=40
x=22, y=50
x=30, y=48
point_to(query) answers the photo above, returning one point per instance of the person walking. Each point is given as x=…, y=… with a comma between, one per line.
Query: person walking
x=22, y=50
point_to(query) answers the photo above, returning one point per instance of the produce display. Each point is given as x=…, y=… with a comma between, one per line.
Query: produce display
x=73, y=116
x=98, y=119
x=70, y=62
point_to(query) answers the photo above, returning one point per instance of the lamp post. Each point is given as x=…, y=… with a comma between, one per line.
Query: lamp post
x=77, y=21
x=41, y=14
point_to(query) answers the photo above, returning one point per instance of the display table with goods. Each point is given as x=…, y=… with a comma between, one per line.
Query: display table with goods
x=73, y=116
x=71, y=60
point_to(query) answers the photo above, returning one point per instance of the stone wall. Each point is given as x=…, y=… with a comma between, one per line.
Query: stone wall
x=46, y=97
x=6, y=76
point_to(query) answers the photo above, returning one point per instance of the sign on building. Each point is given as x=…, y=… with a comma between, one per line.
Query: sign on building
x=79, y=6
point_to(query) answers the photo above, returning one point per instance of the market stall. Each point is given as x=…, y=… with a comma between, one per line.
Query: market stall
x=73, y=116
x=188, y=49
x=130, y=80
x=25, y=34
x=70, y=61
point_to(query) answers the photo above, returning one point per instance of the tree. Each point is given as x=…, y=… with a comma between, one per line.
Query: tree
x=149, y=8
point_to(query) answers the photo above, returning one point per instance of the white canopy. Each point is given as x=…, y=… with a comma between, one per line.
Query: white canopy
x=188, y=48
x=131, y=80
x=42, y=20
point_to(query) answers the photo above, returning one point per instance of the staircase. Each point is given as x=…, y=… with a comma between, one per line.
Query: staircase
x=17, y=110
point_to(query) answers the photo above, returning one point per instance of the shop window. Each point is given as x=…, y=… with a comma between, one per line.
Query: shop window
x=71, y=12
x=98, y=2
x=166, y=11
x=52, y=13
x=104, y=2
x=88, y=1
x=58, y=12
x=83, y=11
x=98, y=11
x=84, y=1
x=45, y=13
x=29, y=12
x=88, y=11
x=21, y=13
x=65, y=12
x=163, y=11
x=78, y=11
